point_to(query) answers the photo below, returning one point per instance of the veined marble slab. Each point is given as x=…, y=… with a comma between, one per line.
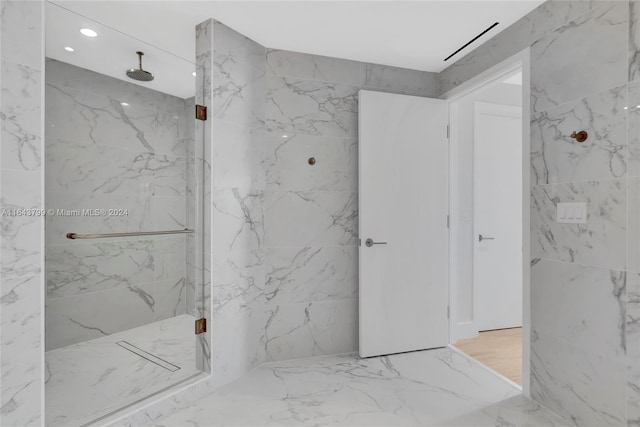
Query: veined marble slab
x=92, y=379
x=429, y=388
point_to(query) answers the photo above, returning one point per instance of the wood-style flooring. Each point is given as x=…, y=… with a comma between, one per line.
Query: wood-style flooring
x=500, y=350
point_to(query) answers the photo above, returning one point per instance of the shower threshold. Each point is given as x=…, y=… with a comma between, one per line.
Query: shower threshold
x=89, y=380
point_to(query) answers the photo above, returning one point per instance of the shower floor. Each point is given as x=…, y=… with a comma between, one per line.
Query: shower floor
x=92, y=379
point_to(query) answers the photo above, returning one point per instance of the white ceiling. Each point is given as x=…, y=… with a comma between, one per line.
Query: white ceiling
x=410, y=34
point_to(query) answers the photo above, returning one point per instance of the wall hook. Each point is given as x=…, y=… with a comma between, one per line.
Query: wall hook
x=580, y=136
x=312, y=161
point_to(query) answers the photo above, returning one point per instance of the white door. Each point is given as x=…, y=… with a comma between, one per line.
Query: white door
x=497, y=261
x=403, y=173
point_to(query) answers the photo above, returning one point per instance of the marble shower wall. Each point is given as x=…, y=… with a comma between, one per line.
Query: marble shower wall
x=21, y=282
x=113, y=145
x=234, y=91
x=585, y=364
x=311, y=212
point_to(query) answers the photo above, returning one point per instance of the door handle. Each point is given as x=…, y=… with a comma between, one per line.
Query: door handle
x=369, y=242
x=481, y=238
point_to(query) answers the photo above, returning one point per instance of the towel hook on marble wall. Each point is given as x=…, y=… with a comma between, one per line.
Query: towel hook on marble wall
x=580, y=136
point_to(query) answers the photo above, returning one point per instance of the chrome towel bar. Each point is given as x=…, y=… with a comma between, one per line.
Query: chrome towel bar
x=74, y=236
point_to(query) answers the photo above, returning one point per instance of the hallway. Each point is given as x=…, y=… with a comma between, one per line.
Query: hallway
x=428, y=388
x=500, y=350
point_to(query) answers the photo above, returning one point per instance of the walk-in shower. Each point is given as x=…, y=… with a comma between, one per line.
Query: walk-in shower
x=124, y=198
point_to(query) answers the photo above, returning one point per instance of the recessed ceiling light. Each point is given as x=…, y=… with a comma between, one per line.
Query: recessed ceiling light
x=69, y=49
x=124, y=104
x=89, y=32
x=193, y=74
x=285, y=136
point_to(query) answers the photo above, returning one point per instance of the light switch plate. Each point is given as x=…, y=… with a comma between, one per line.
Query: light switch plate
x=572, y=213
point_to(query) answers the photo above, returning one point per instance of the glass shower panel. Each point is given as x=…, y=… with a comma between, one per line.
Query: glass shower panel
x=123, y=195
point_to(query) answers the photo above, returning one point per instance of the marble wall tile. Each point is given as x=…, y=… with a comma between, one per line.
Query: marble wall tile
x=633, y=135
x=311, y=107
x=238, y=283
x=399, y=80
x=239, y=156
x=633, y=391
x=241, y=50
x=78, y=268
x=633, y=224
x=238, y=88
x=287, y=166
x=168, y=213
x=20, y=254
x=601, y=37
x=66, y=214
x=238, y=220
x=22, y=20
x=80, y=116
x=311, y=329
x=634, y=41
x=20, y=320
x=600, y=242
x=74, y=114
x=169, y=256
x=556, y=157
x=204, y=43
x=244, y=340
x=107, y=170
x=577, y=385
x=78, y=318
x=311, y=274
x=63, y=75
x=584, y=306
x=20, y=404
x=190, y=274
x=21, y=281
x=633, y=316
x=301, y=218
x=283, y=63
x=540, y=22
x=20, y=118
x=170, y=298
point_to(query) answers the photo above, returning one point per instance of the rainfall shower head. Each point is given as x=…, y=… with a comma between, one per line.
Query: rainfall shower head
x=139, y=73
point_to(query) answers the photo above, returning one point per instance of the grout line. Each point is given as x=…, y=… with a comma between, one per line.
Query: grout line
x=559, y=261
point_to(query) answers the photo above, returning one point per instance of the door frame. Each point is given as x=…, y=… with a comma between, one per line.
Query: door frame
x=521, y=61
x=480, y=108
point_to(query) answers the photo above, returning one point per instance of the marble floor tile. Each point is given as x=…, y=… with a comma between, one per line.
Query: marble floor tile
x=89, y=380
x=438, y=387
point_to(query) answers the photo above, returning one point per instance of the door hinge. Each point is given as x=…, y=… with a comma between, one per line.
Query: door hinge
x=201, y=112
x=201, y=326
x=447, y=131
x=447, y=221
x=448, y=313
